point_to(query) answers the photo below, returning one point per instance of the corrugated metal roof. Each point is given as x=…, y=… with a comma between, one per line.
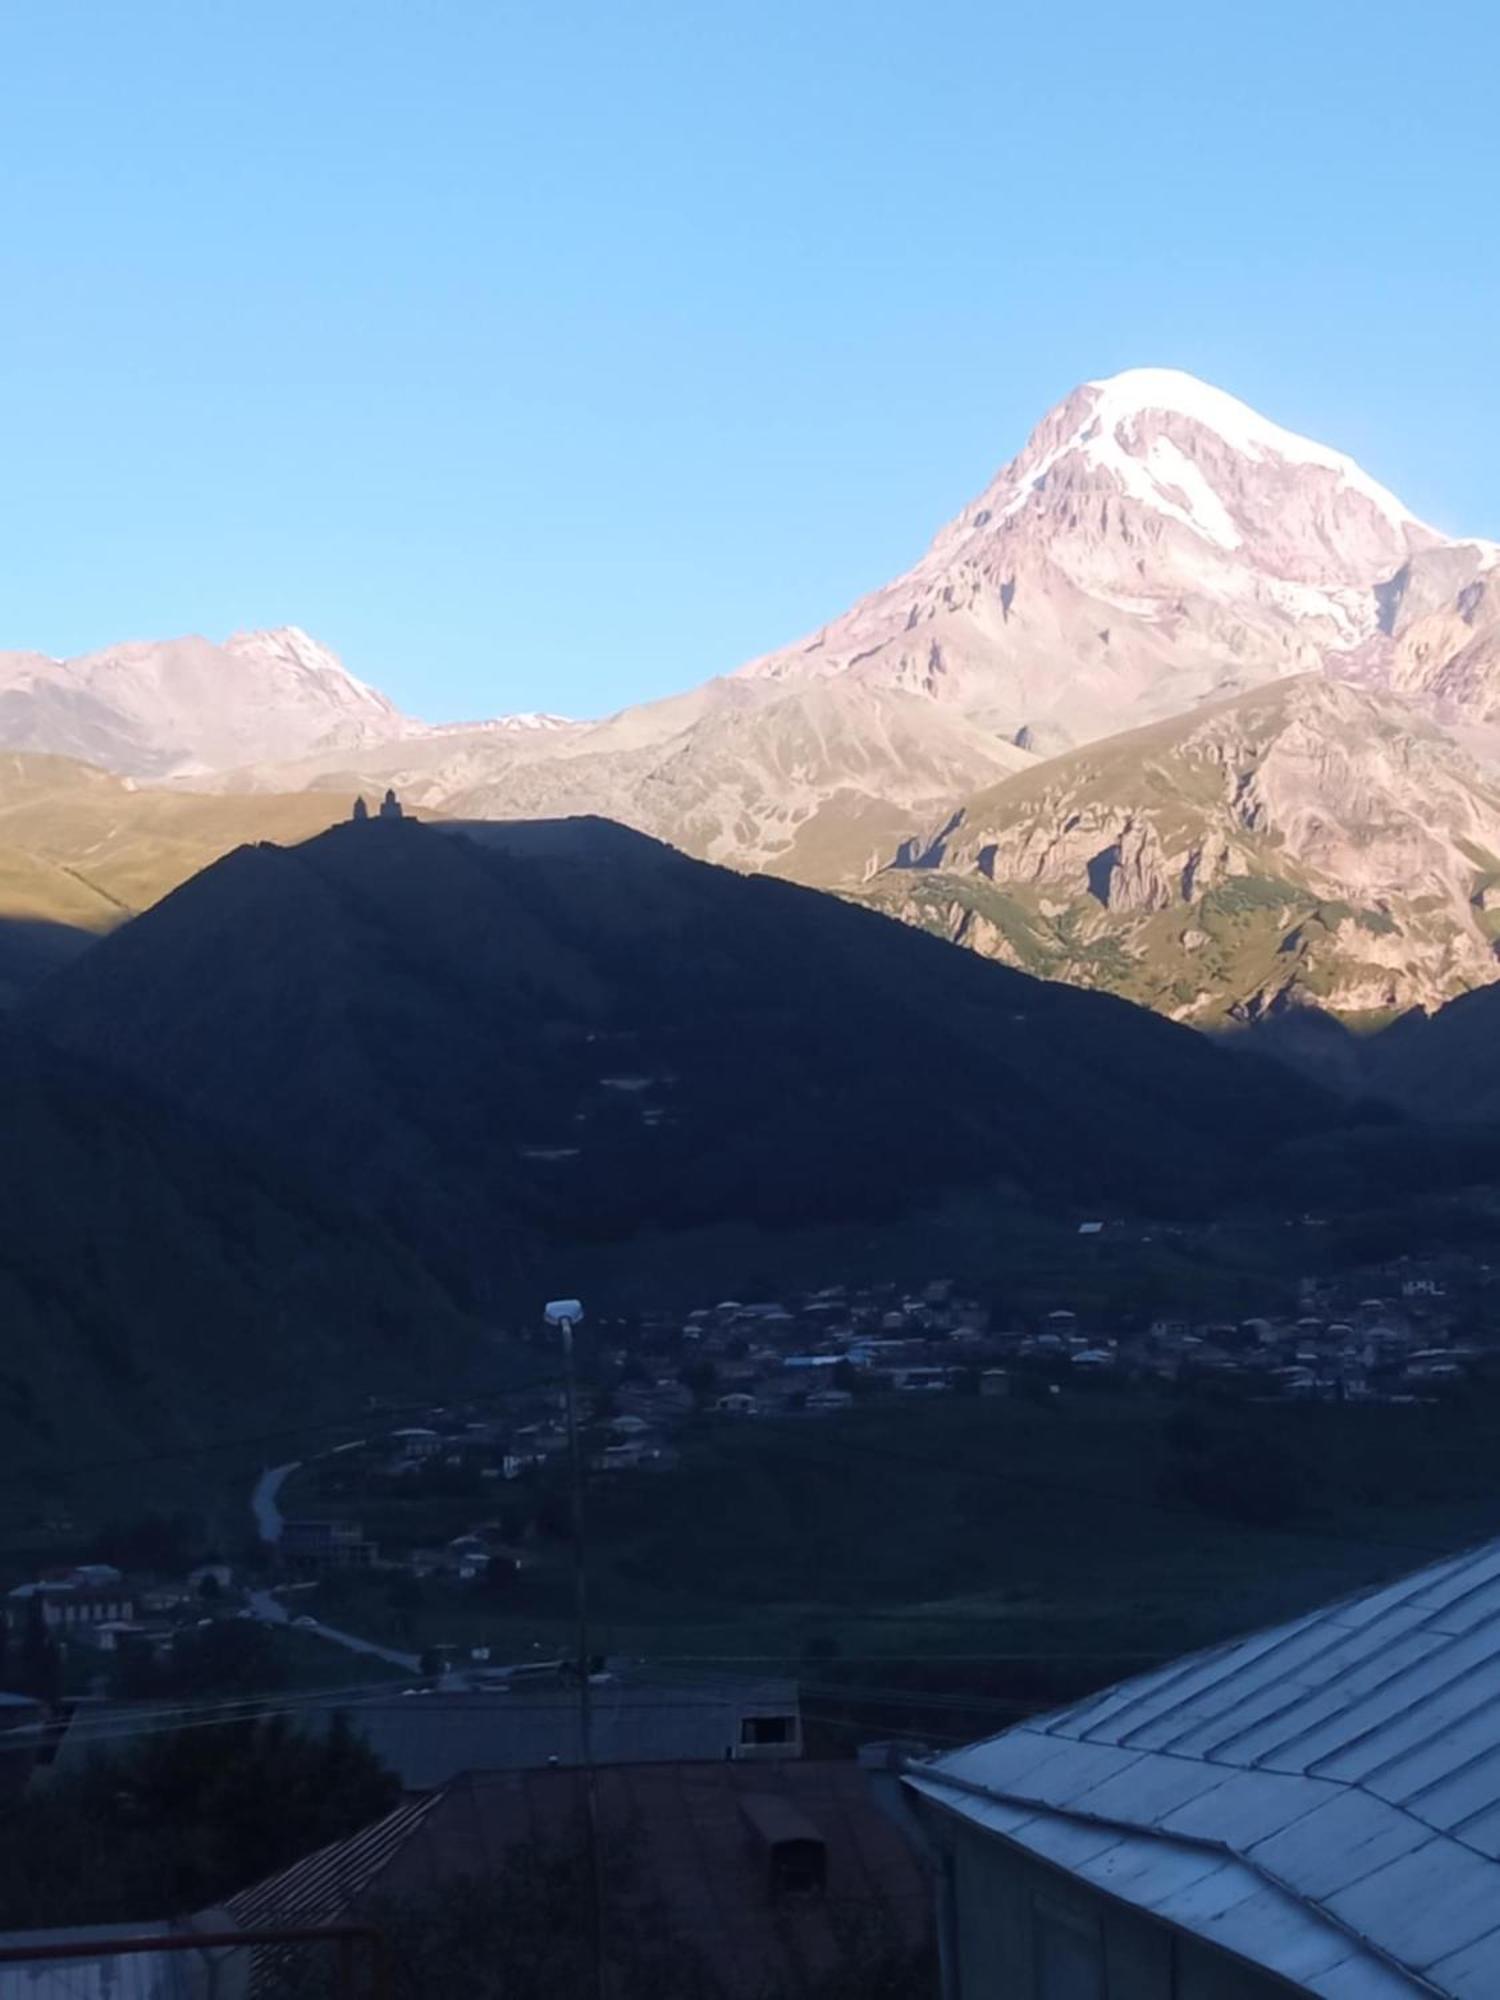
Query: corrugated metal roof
x=1328, y=1789
x=322, y=1886
x=683, y=1828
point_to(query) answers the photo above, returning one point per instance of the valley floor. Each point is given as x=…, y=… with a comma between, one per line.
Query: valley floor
x=958, y=1561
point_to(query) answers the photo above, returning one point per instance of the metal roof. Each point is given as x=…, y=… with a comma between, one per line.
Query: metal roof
x=682, y=1828
x=1322, y=1798
x=428, y=1739
x=326, y=1883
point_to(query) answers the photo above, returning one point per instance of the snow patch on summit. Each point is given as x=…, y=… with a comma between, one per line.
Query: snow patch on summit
x=1163, y=476
x=1119, y=399
x=288, y=646
x=1165, y=470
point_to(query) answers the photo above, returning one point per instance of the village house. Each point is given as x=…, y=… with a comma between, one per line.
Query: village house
x=738, y=1403
x=71, y=1602
x=323, y=1545
x=634, y=1454
x=415, y=1442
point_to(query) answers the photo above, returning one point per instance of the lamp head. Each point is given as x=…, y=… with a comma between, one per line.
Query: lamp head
x=564, y=1312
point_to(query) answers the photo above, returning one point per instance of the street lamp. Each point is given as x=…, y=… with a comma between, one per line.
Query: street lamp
x=566, y=1314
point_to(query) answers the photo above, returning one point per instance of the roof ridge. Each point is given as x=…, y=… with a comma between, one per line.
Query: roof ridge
x=1159, y=1680
x=926, y=1775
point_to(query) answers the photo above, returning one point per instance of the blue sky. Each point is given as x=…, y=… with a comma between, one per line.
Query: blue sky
x=559, y=356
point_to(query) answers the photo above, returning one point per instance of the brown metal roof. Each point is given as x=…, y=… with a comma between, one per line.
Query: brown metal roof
x=687, y=1839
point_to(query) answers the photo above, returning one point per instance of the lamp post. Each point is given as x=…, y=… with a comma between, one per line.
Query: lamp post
x=566, y=1314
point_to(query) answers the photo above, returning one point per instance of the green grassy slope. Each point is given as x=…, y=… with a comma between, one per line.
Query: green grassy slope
x=1029, y=1547
x=81, y=847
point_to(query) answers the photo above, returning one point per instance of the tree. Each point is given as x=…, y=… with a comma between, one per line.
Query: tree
x=554, y=1515
x=513, y=1933
x=361, y=810
x=500, y=1577
x=39, y=1665
x=404, y=1599
x=230, y=1656
x=182, y=1820
x=701, y=1377
x=168, y=1543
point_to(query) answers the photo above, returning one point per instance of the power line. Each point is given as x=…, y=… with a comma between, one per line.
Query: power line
x=842, y=1658
x=154, y=1725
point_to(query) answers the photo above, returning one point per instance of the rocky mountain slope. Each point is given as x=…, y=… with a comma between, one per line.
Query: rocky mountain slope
x=1309, y=843
x=180, y=707
x=569, y=1029
x=817, y=782
x=1155, y=550
x=1155, y=544
x=1441, y=616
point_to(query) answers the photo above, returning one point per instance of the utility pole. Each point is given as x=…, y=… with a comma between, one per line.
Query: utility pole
x=566, y=1313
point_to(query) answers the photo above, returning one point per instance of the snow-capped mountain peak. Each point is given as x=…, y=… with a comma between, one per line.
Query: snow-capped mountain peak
x=1155, y=542
x=184, y=707
x=1121, y=400
x=289, y=648
x=1197, y=456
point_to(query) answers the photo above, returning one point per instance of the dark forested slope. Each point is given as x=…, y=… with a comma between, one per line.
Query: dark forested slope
x=158, y=1290
x=483, y=1033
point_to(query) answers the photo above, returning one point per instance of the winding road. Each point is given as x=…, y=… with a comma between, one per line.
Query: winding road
x=265, y=1505
x=264, y=1501
x=271, y=1611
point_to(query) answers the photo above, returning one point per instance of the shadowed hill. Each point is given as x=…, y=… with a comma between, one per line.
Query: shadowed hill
x=1443, y=1067
x=82, y=849
x=30, y=948
x=159, y=1289
x=568, y=1028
